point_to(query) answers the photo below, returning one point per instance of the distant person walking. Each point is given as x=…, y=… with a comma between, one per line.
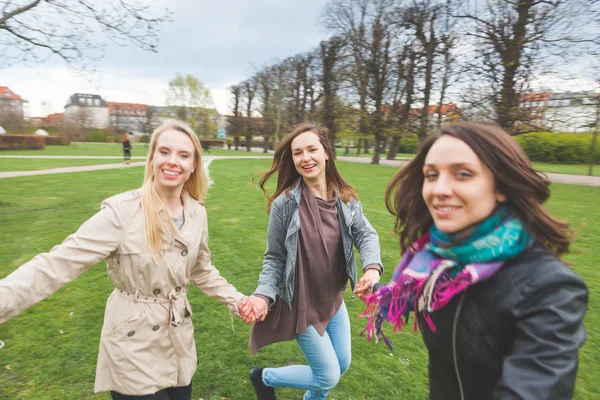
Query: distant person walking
x=126, y=147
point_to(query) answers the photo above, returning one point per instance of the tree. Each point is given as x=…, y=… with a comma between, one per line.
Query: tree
x=422, y=17
x=330, y=57
x=234, y=124
x=188, y=93
x=35, y=30
x=148, y=122
x=512, y=38
x=249, y=91
x=77, y=124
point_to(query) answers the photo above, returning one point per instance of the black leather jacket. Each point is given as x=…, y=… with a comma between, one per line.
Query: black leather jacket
x=514, y=336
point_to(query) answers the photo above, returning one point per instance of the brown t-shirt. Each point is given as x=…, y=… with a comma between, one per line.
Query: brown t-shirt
x=320, y=276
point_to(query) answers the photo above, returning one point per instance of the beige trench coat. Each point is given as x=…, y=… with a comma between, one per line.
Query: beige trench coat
x=147, y=340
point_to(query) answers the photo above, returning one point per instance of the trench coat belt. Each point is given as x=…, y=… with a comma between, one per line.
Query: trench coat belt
x=179, y=307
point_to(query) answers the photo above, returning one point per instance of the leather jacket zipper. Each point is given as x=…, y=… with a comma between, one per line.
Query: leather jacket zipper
x=456, y=315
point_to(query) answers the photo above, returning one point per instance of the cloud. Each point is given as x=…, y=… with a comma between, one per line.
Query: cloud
x=219, y=42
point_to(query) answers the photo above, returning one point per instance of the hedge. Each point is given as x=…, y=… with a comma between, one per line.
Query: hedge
x=408, y=145
x=212, y=143
x=548, y=147
x=55, y=140
x=21, y=142
x=559, y=148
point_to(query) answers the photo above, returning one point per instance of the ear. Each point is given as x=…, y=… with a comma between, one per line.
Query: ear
x=326, y=156
x=500, y=198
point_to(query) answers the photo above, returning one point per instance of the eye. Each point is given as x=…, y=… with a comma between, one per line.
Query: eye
x=313, y=150
x=163, y=152
x=464, y=174
x=430, y=175
x=185, y=155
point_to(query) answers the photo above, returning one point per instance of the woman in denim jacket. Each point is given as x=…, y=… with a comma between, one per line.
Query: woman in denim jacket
x=314, y=219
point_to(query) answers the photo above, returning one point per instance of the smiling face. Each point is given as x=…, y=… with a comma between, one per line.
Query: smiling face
x=172, y=160
x=458, y=188
x=309, y=157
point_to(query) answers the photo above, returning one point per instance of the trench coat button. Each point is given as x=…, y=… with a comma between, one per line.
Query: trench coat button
x=131, y=333
x=156, y=292
x=178, y=288
x=155, y=328
x=184, y=253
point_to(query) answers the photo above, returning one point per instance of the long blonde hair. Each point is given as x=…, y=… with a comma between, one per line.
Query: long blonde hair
x=196, y=186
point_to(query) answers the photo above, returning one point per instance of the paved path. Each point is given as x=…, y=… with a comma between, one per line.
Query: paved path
x=79, y=157
x=99, y=167
x=558, y=178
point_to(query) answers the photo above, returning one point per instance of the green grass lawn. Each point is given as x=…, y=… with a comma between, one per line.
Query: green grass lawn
x=574, y=169
x=352, y=153
x=38, y=362
x=33, y=164
x=100, y=149
x=106, y=149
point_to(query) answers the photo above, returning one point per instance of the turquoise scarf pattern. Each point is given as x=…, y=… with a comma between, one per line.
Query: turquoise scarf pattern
x=439, y=266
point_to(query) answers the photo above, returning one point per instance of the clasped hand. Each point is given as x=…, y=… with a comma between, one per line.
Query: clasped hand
x=253, y=308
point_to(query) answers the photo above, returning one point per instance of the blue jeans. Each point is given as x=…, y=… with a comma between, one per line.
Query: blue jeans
x=328, y=358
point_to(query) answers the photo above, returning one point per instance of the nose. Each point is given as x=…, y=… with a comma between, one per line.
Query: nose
x=442, y=187
x=172, y=158
x=305, y=156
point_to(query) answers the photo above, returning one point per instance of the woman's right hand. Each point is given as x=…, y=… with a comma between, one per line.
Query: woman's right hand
x=255, y=309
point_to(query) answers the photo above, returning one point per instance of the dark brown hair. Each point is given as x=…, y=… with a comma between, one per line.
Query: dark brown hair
x=514, y=177
x=287, y=176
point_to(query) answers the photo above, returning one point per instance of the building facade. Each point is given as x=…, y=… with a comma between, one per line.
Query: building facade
x=88, y=111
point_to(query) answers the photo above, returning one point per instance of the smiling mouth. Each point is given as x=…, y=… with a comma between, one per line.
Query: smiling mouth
x=170, y=173
x=446, y=208
x=311, y=166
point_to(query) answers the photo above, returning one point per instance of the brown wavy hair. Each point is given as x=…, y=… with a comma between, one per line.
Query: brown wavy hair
x=287, y=176
x=525, y=189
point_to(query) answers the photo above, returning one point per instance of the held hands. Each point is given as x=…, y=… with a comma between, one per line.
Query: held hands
x=365, y=283
x=253, y=308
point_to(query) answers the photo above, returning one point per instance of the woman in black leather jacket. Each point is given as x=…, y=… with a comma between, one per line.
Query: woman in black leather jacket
x=500, y=313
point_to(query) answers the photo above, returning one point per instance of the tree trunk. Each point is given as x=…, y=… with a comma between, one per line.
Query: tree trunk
x=266, y=145
x=594, y=139
x=359, y=147
x=393, y=150
x=376, y=148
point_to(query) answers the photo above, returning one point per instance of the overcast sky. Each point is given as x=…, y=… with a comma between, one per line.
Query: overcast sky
x=218, y=41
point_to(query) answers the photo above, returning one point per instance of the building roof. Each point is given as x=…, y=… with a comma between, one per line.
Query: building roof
x=126, y=108
x=81, y=99
x=6, y=93
x=534, y=96
x=433, y=109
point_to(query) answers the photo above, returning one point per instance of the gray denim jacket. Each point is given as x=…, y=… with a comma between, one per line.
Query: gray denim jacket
x=279, y=264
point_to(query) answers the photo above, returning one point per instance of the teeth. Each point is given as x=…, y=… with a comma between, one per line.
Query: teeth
x=447, y=208
x=170, y=173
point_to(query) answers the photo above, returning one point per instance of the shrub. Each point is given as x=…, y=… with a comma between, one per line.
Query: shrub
x=212, y=143
x=408, y=145
x=560, y=148
x=55, y=140
x=21, y=142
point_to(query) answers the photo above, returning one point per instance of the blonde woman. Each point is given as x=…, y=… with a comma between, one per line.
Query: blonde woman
x=155, y=241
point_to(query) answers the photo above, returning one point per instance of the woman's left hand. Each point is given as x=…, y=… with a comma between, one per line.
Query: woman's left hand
x=365, y=283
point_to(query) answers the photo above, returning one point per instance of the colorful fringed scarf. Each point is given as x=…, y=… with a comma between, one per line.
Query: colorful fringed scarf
x=439, y=266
